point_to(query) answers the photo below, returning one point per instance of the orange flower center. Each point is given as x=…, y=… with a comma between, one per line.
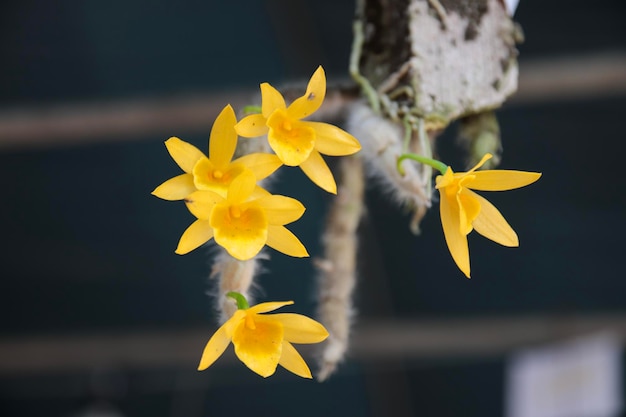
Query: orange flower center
x=250, y=322
x=234, y=212
x=292, y=140
x=286, y=125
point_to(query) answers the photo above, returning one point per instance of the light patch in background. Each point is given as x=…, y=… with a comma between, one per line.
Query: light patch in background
x=580, y=378
x=511, y=6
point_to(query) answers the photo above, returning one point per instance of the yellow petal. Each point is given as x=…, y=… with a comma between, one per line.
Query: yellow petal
x=184, y=154
x=445, y=180
x=312, y=98
x=330, y=140
x=291, y=140
x=259, y=192
x=281, y=239
x=241, y=187
x=175, y=188
x=252, y=126
x=480, y=163
x=291, y=360
x=261, y=164
x=316, y=169
x=301, y=329
x=223, y=139
x=502, y=180
x=492, y=225
x=196, y=235
x=219, y=341
x=456, y=241
x=469, y=208
x=271, y=100
x=267, y=307
x=259, y=348
x=280, y=209
x=201, y=203
x=242, y=233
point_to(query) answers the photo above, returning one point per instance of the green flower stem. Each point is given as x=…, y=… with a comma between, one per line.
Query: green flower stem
x=408, y=130
x=438, y=165
x=425, y=146
x=242, y=303
x=251, y=109
x=355, y=57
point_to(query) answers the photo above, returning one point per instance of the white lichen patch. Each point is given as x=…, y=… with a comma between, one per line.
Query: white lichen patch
x=455, y=74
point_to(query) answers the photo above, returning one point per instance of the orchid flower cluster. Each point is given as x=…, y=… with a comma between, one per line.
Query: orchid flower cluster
x=242, y=217
x=233, y=209
x=223, y=194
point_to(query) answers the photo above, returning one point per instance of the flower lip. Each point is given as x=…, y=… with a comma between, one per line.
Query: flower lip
x=241, y=231
x=207, y=176
x=292, y=140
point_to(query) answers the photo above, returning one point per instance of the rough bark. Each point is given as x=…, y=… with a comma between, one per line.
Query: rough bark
x=438, y=59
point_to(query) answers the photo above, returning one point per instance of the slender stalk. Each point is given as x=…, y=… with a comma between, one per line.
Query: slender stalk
x=251, y=109
x=242, y=303
x=234, y=276
x=355, y=57
x=427, y=151
x=338, y=267
x=438, y=165
x=408, y=132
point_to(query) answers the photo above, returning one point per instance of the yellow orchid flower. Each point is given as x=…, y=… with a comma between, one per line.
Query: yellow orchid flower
x=244, y=221
x=298, y=142
x=462, y=210
x=216, y=172
x=264, y=341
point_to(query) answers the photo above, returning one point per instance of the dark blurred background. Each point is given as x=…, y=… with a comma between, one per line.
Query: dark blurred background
x=98, y=316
